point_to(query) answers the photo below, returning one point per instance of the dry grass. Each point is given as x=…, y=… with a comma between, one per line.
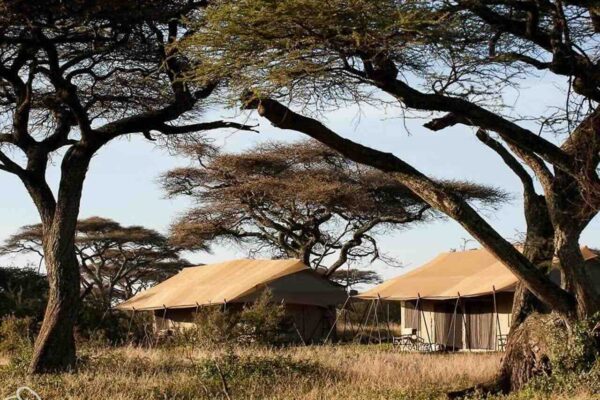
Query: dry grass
x=320, y=372
x=335, y=372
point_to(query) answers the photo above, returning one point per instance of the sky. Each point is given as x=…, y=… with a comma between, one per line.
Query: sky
x=122, y=180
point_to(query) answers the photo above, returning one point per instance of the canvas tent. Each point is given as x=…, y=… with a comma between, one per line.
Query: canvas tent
x=309, y=298
x=459, y=300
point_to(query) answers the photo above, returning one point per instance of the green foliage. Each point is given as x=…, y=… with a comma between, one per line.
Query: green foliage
x=262, y=322
x=272, y=46
x=576, y=351
x=23, y=292
x=16, y=340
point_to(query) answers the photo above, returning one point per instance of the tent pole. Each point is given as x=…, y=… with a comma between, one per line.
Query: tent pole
x=387, y=321
x=453, y=325
x=351, y=324
x=164, y=321
x=464, y=317
x=376, y=318
x=425, y=321
x=498, y=329
x=130, y=322
x=364, y=323
x=337, y=318
x=416, y=315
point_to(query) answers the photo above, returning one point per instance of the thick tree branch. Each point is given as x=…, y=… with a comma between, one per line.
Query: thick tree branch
x=431, y=192
x=509, y=160
x=203, y=126
x=463, y=111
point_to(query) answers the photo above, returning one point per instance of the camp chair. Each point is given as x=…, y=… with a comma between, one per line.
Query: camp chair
x=408, y=340
x=502, y=342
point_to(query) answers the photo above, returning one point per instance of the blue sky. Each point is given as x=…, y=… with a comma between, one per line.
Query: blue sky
x=122, y=181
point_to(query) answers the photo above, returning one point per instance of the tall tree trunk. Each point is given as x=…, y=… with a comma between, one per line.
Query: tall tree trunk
x=54, y=348
x=55, y=344
x=521, y=361
x=574, y=274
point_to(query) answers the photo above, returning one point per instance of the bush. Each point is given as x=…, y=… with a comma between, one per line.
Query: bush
x=262, y=322
x=23, y=293
x=576, y=351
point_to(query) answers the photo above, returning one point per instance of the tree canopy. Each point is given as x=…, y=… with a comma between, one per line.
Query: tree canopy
x=300, y=200
x=115, y=261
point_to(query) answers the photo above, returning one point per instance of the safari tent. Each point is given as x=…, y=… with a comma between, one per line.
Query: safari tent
x=308, y=298
x=459, y=300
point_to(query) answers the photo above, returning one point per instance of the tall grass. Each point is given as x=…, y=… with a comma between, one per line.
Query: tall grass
x=313, y=372
x=318, y=372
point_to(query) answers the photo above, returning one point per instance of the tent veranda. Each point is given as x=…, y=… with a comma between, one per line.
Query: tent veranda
x=458, y=300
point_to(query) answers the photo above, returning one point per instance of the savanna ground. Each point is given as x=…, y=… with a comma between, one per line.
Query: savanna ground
x=313, y=372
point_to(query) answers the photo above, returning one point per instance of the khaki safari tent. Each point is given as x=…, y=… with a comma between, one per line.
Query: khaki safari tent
x=457, y=301
x=308, y=298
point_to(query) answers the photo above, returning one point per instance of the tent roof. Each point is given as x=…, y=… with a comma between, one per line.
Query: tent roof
x=236, y=280
x=468, y=273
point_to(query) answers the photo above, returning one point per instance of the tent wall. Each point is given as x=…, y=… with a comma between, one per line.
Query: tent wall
x=476, y=325
x=448, y=326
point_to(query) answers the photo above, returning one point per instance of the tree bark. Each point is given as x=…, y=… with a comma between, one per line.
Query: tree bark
x=54, y=348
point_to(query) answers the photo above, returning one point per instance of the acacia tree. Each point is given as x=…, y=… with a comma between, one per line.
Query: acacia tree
x=449, y=60
x=115, y=261
x=300, y=200
x=75, y=75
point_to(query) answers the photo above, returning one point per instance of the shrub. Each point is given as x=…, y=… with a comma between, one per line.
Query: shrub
x=576, y=351
x=262, y=322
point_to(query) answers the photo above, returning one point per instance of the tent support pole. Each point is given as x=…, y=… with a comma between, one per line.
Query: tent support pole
x=425, y=321
x=337, y=318
x=376, y=318
x=417, y=315
x=387, y=321
x=164, y=318
x=464, y=318
x=364, y=322
x=498, y=329
x=130, y=322
x=352, y=325
x=387, y=307
x=453, y=325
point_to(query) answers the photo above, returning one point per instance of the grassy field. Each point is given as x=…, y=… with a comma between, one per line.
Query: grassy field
x=336, y=372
